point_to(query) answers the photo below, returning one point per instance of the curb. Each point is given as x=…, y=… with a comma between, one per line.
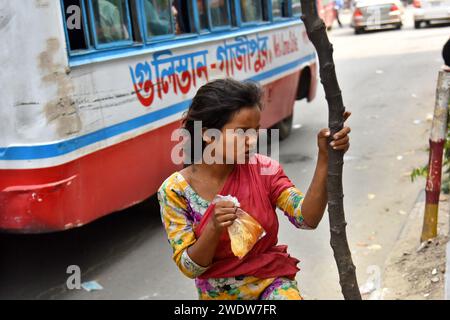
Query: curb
x=416, y=212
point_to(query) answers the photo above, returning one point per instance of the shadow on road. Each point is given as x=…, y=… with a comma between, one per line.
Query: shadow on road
x=31, y=264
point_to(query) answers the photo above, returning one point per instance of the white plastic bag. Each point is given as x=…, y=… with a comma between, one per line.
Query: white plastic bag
x=245, y=230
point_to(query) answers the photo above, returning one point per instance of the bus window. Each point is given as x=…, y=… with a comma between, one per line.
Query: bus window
x=111, y=20
x=183, y=16
x=202, y=14
x=277, y=8
x=252, y=10
x=158, y=14
x=296, y=8
x=232, y=13
x=219, y=10
x=75, y=25
x=166, y=17
x=135, y=27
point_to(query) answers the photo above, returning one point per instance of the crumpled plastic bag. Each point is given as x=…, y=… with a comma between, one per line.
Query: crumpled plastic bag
x=245, y=230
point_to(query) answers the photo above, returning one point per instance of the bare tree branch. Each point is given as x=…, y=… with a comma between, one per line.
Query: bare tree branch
x=316, y=30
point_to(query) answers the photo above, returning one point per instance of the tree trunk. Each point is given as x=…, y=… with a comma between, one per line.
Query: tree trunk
x=315, y=28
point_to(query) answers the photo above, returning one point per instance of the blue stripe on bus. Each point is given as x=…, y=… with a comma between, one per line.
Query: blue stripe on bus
x=70, y=145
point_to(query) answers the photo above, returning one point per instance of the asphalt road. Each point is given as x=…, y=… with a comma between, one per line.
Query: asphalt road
x=388, y=81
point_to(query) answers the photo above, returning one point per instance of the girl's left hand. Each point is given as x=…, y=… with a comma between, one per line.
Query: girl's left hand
x=340, y=140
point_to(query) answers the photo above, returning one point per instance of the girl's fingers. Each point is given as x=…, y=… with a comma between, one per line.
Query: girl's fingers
x=222, y=211
x=340, y=142
x=225, y=204
x=342, y=133
x=226, y=224
x=324, y=133
x=347, y=114
x=226, y=217
x=342, y=147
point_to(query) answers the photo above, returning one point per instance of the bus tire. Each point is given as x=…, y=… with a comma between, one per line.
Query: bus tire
x=359, y=30
x=417, y=24
x=304, y=84
x=285, y=127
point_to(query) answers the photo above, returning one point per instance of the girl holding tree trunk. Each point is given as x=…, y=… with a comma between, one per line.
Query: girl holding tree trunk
x=196, y=227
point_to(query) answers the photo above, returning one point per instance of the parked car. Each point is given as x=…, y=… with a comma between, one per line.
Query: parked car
x=426, y=11
x=377, y=14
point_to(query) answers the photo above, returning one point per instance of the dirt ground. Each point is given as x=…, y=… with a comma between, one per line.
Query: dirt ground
x=416, y=271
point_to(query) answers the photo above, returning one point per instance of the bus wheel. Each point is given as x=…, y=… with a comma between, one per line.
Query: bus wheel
x=417, y=24
x=359, y=30
x=285, y=127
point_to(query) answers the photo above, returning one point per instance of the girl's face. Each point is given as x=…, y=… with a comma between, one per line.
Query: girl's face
x=239, y=136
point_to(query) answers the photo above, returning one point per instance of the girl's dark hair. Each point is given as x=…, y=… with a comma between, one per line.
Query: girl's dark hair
x=216, y=103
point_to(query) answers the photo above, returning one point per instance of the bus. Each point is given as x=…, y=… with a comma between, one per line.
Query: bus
x=93, y=89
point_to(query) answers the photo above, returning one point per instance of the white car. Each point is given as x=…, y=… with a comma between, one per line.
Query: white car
x=377, y=14
x=430, y=10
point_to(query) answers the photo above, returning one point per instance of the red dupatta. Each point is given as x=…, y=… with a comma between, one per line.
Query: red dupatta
x=257, y=193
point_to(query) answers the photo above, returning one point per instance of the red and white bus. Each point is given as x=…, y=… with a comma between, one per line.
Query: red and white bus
x=92, y=90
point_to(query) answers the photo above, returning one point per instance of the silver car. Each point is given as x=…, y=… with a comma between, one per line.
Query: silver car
x=377, y=14
x=431, y=10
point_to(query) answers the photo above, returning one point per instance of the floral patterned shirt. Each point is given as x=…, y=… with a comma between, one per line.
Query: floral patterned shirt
x=182, y=208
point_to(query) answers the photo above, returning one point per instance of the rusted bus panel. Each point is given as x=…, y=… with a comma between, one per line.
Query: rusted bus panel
x=33, y=78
